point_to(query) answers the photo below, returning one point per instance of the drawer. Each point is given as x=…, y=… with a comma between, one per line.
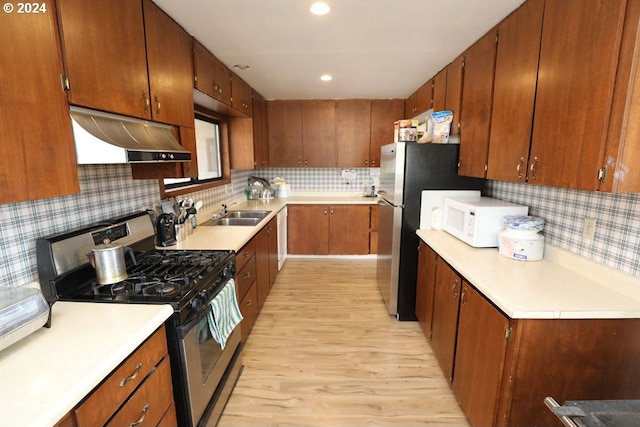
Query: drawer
x=249, y=310
x=100, y=405
x=150, y=402
x=245, y=254
x=246, y=277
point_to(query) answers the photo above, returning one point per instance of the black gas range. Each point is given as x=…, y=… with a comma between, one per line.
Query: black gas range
x=186, y=280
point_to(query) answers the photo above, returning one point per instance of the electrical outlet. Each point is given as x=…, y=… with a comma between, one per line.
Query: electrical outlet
x=589, y=229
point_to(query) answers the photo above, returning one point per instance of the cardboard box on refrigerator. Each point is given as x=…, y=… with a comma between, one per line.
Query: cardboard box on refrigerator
x=405, y=130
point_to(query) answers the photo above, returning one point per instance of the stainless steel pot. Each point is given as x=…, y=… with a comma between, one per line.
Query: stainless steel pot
x=108, y=260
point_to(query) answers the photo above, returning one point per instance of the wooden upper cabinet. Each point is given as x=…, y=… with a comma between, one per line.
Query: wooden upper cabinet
x=260, y=137
x=319, y=133
x=424, y=97
x=576, y=78
x=479, y=64
x=285, y=132
x=112, y=67
x=514, y=92
x=440, y=90
x=411, y=105
x=169, y=58
x=241, y=95
x=37, y=153
x=353, y=135
x=384, y=112
x=105, y=55
x=211, y=76
x=623, y=140
x=453, y=96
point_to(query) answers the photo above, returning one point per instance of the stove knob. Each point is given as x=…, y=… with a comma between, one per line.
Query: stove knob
x=203, y=295
x=196, y=304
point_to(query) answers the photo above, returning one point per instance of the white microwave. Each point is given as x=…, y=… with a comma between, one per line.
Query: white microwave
x=477, y=221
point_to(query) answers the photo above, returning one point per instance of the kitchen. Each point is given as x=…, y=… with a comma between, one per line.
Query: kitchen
x=113, y=192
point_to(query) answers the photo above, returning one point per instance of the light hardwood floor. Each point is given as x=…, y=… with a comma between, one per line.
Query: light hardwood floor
x=324, y=352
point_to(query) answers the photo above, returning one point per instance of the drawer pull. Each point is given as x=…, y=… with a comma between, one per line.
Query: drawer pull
x=142, y=416
x=247, y=275
x=133, y=376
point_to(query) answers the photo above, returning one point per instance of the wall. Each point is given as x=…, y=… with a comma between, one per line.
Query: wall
x=108, y=191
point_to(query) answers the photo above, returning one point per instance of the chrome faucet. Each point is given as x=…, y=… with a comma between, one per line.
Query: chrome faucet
x=221, y=213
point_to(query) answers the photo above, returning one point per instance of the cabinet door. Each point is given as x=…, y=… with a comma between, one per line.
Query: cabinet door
x=319, y=147
x=37, y=153
x=241, y=94
x=105, y=55
x=444, y=324
x=479, y=64
x=424, y=97
x=373, y=229
x=204, y=70
x=384, y=113
x=440, y=90
x=260, y=141
x=285, y=133
x=169, y=58
x=453, y=96
x=349, y=230
x=262, y=266
x=272, y=233
x=514, y=92
x=480, y=354
x=353, y=132
x=411, y=105
x=578, y=62
x=425, y=287
x=308, y=229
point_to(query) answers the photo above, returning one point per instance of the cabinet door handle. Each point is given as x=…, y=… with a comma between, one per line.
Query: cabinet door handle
x=155, y=98
x=373, y=162
x=366, y=162
x=534, y=175
x=463, y=296
x=306, y=162
x=331, y=211
x=142, y=416
x=325, y=211
x=245, y=255
x=453, y=288
x=519, y=167
x=147, y=101
x=132, y=376
x=459, y=163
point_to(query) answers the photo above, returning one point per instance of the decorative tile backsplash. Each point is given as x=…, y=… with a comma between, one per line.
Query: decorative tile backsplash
x=616, y=242
x=109, y=190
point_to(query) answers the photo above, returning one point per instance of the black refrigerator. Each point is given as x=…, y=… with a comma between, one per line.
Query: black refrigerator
x=407, y=168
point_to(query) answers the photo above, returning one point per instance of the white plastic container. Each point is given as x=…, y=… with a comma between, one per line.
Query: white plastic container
x=520, y=239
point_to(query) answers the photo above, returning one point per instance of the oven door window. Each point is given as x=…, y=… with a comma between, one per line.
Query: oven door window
x=210, y=350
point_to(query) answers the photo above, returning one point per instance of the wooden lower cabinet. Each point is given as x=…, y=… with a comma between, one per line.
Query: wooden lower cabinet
x=257, y=264
x=425, y=287
x=480, y=351
x=503, y=368
x=328, y=230
x=446, y=304
x=373, y=230
x=138, y=390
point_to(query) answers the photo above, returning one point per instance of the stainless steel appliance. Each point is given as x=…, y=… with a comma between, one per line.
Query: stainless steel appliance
x=596, y=413
x=407, y=168
x=204, y=372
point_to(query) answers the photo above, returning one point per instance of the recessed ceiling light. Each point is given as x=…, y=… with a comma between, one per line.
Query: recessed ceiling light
x=241, y=67
x=320, y=8
x=326, y=77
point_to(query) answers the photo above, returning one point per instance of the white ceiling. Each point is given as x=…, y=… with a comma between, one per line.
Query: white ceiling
x=372, y=48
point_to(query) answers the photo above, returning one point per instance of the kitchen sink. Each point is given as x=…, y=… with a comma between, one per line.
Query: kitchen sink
x=246, y=218
x=247, y=214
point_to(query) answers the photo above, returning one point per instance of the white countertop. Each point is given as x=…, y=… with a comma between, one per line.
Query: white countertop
x=43, y=376
x=562, y=285
x=235, y=237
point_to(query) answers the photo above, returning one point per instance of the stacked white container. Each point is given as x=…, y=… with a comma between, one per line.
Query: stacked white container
x=520, y=238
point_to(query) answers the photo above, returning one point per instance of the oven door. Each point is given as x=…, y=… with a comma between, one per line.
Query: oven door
x=205, y=362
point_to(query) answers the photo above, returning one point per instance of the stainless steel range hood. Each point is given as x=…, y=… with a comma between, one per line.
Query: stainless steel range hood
x=108, y=138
